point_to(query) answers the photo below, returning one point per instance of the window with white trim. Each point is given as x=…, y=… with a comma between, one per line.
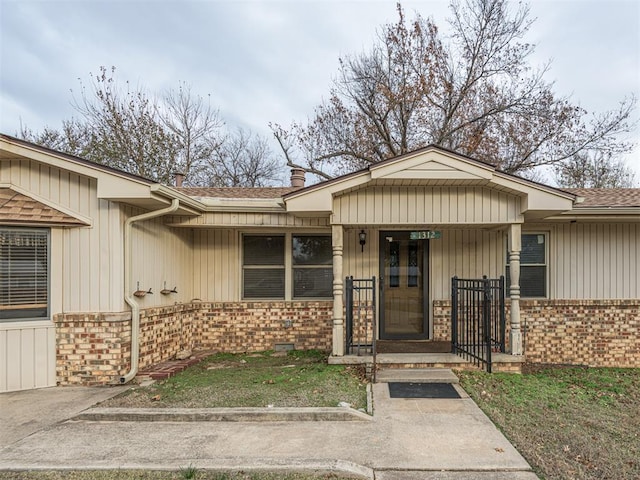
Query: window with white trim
x=312, y=266
x=263, y=266
x=533, y=266
x=24, y=274
x=287, y=266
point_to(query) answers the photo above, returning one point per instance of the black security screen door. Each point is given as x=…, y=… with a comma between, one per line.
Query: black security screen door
x=404, y=287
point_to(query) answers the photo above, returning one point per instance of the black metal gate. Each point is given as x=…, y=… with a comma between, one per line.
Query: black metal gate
x=477, y=319
x=360, y=306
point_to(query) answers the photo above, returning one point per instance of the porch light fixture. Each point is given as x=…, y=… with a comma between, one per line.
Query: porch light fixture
x=363, y=239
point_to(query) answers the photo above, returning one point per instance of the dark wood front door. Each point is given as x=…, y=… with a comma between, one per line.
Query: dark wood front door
x=404, y=286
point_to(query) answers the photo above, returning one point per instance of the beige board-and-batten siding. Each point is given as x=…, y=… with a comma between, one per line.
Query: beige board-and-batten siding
x=387, y=205
x=27, y=355
x=594, y=261
x=161, y=259
x=217, y=252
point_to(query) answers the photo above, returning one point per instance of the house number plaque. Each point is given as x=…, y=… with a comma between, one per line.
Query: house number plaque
x=425, y=235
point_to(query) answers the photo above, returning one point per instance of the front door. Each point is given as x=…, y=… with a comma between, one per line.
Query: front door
x=404, y=286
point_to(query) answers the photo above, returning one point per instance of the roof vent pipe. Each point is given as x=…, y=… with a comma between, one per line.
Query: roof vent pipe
x=179, y=178
x=297, y=177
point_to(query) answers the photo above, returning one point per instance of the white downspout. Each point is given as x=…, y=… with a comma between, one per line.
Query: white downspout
x=135, y=308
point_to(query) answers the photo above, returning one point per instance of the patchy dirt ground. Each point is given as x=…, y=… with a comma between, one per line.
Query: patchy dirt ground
x=299, y=379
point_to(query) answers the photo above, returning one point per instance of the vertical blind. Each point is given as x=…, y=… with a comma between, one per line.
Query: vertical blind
x=24, y=273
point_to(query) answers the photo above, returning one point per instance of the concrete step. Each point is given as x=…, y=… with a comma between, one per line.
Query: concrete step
x=416, y=375
x=455, y=475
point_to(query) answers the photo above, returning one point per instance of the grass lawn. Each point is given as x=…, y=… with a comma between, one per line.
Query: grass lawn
x=184, y=474
x=296, y=379
x=569, y=423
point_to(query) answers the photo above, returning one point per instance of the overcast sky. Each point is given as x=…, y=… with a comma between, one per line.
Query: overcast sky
x=272, y=61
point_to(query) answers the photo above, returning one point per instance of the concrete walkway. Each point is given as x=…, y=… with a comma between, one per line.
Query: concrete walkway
x=406, y=439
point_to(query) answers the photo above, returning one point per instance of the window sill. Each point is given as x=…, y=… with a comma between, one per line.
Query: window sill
x=22, y=323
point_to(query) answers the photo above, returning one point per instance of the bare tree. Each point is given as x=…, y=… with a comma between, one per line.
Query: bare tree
x=474, y=93
x=125, y=129
x=594, y=170
x=196, y=128
x=243, y=160
x=74, y=137
x=155, y=137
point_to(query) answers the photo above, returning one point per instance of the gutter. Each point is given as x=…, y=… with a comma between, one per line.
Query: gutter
x=172, y=193
x=135, y=308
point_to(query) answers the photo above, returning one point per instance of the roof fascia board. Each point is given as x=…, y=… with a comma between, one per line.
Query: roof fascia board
x=505, y=179
x=110, y=184
x=219, y=204
x=321, y=199
x=604, y=213
x=536, y=197
x=59, y=161
x=171, y=193
x=118, y=189
x=86, y=220
x=242, y=205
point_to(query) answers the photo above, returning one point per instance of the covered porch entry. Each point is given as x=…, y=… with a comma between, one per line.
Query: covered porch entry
x=416, y=221
x=395, y=310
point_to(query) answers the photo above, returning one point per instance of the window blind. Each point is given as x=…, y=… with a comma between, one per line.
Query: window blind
x=24, y=273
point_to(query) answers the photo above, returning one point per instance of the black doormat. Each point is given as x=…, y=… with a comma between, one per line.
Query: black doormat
x=399, y=346
x=422, y=390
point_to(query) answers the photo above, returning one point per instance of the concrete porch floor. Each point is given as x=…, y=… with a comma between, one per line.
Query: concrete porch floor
x=502, y=362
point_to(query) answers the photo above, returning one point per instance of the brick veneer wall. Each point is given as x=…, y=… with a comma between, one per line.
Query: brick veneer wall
x=95, y=349
x=165, y=331
x=255, y=326
x=602, y=333
x=92, y=348
x=441, y=318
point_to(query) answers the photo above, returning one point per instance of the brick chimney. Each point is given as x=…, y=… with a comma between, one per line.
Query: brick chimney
x=179, y=178
x=297, y=177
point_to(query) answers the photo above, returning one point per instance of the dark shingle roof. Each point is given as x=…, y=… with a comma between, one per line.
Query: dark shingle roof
x=18, y=208
x=607, y=197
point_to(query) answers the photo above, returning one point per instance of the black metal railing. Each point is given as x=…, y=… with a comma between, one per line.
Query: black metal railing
x=477, y=319
x=360, y=307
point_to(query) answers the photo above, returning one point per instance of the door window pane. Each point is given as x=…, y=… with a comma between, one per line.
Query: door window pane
x=412, y=264
x=394, y=264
